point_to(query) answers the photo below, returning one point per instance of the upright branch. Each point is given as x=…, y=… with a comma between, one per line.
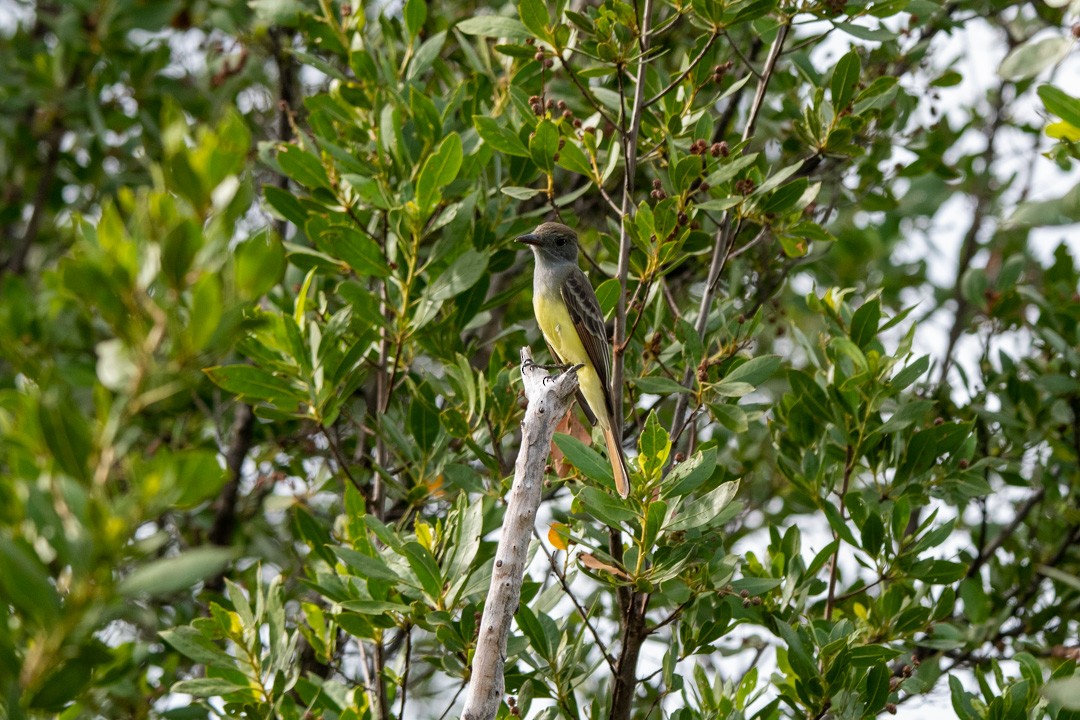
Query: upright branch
x=629, y=147
x=631, y=606
x=849, y=465
x=549, y=398
x=725, y=234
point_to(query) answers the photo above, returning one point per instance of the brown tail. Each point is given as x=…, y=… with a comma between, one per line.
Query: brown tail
x=618, y=462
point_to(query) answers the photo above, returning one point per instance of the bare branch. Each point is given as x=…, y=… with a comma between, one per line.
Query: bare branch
x=685, y=73
x=548, y=400
x=725, y=235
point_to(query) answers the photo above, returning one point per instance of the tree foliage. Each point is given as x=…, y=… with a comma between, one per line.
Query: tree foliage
x=260, y=313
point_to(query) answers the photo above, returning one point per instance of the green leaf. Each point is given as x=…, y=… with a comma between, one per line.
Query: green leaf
x=976, y=602
x=573, y=159
x=209, y=687
x=357, y=250
x=423, y=424
x=206, y=310
x=196, y=646
x=415, y=12
x=65, y=432
x=802, y=662
x=520, y=193
x=693, y=347
x=756, y=585
x=367, y=567
x=690, y=474
x=845, y=80
x=604, y=507
x=259, y=265
x=591, y=464
x=658, y=385
x=499, y=136
x=278, y=12
x=864, y=33
x=754, y=371
x=925, y=446
x=726, y=388
x=1061, y=576
x=973, y=286
x=1060, y=103
x=426, y=569
x=877, y=687
x=303, y=167
x=173, y=574
x=1064, y=692
x=543, y=145
x=910, y=373
x=838, y=523
x=654, y=443
x=462, y=274
x=732, y=167
x=701, y=512
x=961, y=701
x=198, y=474
x=732, y=417
x=533, y=629
x=25, y=582
x=873, y=533
x=949, y=78
x=864, y=323
x=439, y=170
x=685, y=172
x=607, y=294
x=251, y=382
x=1033, y=56
x=495, y=26
x=534, y=14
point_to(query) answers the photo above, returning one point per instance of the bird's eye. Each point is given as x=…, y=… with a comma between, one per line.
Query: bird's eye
x=560, y=242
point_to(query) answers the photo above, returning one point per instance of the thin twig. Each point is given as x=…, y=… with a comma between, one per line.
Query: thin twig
x=405, y=671
x=849, y=465
x=685, y=73
x=1007, y=532
x=453, y=701
x=726, y=233
x=582, y=88
x=341, y=461
x=573, y=598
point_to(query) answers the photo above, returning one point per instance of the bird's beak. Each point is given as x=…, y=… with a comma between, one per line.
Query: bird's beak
x=529, y=239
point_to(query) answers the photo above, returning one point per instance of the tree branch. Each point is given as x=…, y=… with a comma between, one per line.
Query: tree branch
x=830, y=601
x=725, y=234
x=685, y=73
x=548, y=400
x=240, y=441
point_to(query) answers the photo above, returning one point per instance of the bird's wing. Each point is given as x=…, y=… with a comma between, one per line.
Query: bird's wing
x=584, y=309
x=582, y=402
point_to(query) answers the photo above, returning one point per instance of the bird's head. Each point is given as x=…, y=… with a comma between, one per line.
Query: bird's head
x=553, y=241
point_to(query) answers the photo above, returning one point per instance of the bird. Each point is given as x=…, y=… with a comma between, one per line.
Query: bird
x=570, y=319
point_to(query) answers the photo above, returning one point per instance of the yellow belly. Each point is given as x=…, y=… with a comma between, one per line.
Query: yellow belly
x=562, y=336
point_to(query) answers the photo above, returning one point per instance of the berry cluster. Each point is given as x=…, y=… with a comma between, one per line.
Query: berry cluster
x=658, y=190
x=719, y=71
x=745, y=186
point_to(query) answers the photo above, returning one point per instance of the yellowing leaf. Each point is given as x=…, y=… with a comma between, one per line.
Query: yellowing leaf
x=1062, y=130
x=559, y=535
x=424, y=534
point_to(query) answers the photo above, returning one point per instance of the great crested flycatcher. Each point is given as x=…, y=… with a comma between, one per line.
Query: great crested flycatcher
x=569, y=317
